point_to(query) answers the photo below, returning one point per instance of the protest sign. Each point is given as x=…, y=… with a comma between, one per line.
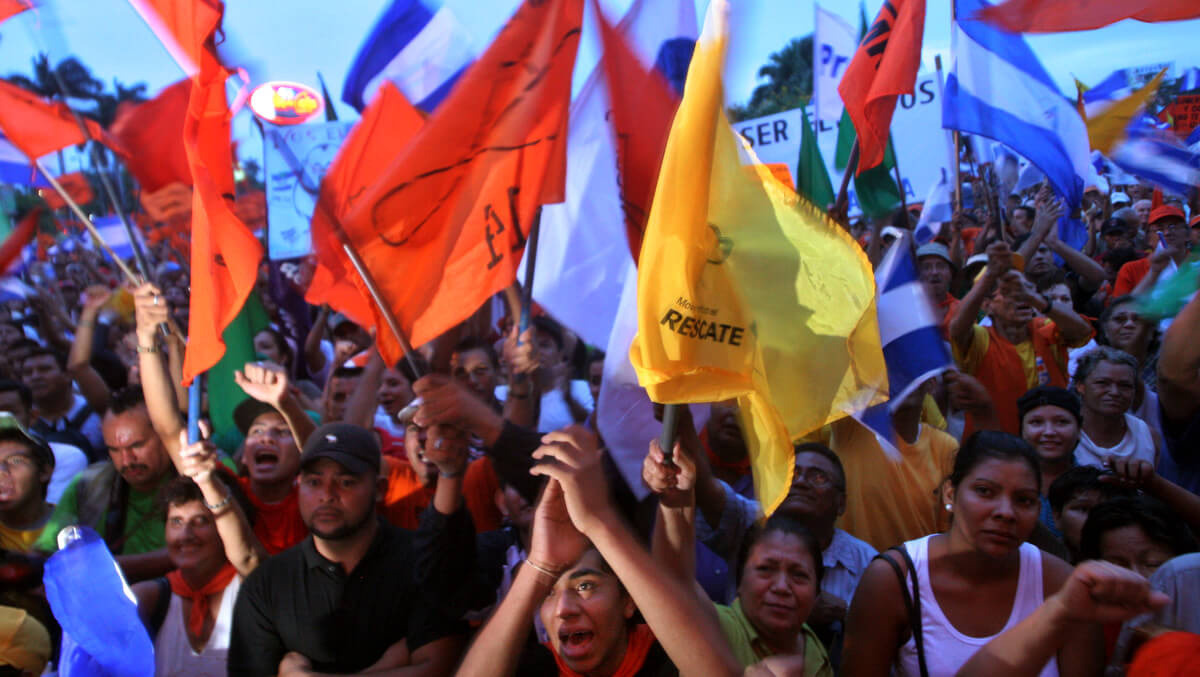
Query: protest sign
x=290, y=200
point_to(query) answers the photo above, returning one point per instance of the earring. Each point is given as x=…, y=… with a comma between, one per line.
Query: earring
x=949, y=507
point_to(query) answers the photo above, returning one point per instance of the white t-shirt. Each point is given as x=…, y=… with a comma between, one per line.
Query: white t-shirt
x=69, y=461
x=554, y=412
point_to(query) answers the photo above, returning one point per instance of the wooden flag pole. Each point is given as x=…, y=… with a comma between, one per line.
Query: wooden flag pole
x=937, y=60
x=530, y=263
x=851, y=166
x=87, y=222
x=348, y=247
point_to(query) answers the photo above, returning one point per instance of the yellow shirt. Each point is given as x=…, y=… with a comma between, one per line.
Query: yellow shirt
x=889, y=502
x=17, y=540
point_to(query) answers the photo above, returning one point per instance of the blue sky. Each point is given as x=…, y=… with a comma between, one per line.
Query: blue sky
x=293, y=40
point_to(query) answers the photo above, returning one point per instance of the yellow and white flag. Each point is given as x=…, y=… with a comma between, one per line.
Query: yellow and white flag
x=747, y=291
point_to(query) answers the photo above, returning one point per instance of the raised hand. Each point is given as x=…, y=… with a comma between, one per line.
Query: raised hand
x=573, y=457
x=150, y=310
x=1128, y=472
x=198, y=460
x=674, y=482
x=446, y=447
x=264, y=381
x=1099, y=592
x=555, y=544
x=520, y=355
x=94, y=298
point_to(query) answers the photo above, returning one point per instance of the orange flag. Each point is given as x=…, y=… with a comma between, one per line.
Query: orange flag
x=152, y=133
x=38, y=128
x=183, y=26
x=1057, y=16
x=386, y=127
x=76, y=185
x=884, y=67
x=18, y=238
x=643, y=107
x=444, y=227
x=225, y=254
x=9, y=8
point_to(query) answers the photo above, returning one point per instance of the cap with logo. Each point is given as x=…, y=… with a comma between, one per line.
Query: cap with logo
x=11, y=428
x=354, y=447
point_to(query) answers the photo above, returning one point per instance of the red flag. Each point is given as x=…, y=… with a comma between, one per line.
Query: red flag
x=183, y=26
x=1057, y=16
x=225, y=254
x=643, y=107
x=39, y=128
x=9, y=8
x=152, y=133
x=75, y=184
x=444, y=227
x=884, y=67
x=18, y=238
x=388, y=123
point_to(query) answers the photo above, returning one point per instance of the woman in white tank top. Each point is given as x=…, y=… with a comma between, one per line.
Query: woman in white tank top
x=974, y=581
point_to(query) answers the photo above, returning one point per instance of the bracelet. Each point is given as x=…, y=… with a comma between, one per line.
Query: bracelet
x=451, y=475
x=219, y=506
x=149, y=350
x=542, y=570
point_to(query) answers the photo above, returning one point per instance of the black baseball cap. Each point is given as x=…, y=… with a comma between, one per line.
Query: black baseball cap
x=354, y=447
x=250, y=409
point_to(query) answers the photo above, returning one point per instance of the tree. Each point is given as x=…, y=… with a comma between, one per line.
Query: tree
x=789, y=75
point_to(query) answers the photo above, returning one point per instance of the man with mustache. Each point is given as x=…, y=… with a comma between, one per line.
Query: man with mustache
x=117, y=497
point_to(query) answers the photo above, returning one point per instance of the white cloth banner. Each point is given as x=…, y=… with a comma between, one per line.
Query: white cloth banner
x=834, y=44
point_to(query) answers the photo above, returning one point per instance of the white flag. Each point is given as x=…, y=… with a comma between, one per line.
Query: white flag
x=834, y=44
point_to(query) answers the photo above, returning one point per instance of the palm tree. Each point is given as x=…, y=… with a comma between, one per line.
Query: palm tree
x=789, y=75
x=76, y=79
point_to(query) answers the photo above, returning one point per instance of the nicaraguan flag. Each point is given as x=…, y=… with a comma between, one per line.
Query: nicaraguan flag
x=1112, y=88
x=1190, y=80
x=908, y=329
x=997, y=88
x=15, y=167
x=937, y=210
x=114, y=234
x=420, y=49
x=1158, y=156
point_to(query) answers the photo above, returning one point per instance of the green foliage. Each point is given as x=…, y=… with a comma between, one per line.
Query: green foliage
x=789, y=82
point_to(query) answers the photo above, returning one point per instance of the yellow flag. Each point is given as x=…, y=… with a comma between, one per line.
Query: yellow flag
x=1107, y=127
x=747, y=291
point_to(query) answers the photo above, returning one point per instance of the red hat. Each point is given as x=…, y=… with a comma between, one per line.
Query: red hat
x=1195, y=221
x=1166, y=211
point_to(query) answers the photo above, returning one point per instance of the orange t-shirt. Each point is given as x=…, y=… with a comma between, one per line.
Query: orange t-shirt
x=277, y=525
x=407, y=497
x=1129, y=276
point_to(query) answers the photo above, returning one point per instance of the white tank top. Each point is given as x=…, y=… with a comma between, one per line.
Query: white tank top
x=1138, y=443
x=947, y=649
x=173, y=654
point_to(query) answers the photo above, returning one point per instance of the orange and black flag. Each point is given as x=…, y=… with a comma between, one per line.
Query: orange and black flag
x=444, y=227
x=884, y=67
x=642, y=108
x=388, y=124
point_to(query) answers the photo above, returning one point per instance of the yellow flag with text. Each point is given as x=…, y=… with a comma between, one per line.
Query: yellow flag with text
x=747, y=291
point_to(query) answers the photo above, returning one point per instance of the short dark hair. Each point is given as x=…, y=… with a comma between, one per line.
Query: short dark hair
x=786, y=525
x=181, y=490
x=1030, y=212
x=822, y=450
x=1092, y=359
x=405, y=366
x=1155, y=519
x=1077, y=480
x=41, y=351
x=548, y=326
x=988, y=445
x=281, y=342
x=346, y=372
x=470, y=343
x=595, y=355
x=9, y=385
x=1053, y=279
x=126, y=399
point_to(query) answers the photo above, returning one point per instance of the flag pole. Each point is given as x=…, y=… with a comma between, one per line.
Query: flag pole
x=851, y=166
x=87, y=222
x=530, y=262
x=899, y=183
x=348, y=247
x=193, y=411
x=937, y=60
x=670, y=422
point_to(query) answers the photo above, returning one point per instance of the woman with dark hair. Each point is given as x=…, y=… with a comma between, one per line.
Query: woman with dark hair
x=1050, y=423
x=926, y=609
x=778, y=572
x=1136, y=532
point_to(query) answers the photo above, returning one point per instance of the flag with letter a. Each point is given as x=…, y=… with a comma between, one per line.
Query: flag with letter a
x=884, y=67
x=747, y=291
x=443, y=228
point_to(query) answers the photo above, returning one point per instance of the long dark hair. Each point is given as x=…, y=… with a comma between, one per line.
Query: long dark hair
x=784, y=525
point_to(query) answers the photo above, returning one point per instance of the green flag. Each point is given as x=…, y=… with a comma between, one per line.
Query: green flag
x=876, y=189
x=812, y=180
x=1169, y=296
x=223, y=393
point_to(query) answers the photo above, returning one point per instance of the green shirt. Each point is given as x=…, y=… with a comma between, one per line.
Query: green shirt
x=749, y=649
x=145, y=524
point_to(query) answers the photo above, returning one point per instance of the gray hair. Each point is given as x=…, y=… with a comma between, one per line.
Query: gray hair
x=1092, y=358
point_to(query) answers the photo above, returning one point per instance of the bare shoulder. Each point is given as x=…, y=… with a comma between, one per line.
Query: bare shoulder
x=1055, y=572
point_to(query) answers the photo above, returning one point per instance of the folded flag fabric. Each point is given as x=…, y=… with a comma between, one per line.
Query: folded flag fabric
x=1057, y=16
x=742, y=285
x=938, y=209
x=1157, y=155
x=421, y=50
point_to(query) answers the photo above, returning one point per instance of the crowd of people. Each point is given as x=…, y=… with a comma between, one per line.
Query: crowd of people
x=456, y=513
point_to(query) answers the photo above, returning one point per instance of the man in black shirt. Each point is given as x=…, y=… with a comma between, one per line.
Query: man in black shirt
x=355, y=594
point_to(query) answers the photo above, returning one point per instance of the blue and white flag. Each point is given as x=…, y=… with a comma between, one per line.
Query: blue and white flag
x=1189, y=80
x=12, y=289
x=115, y=236
x=937, y=210
x=1112, y=88
x=834, y=44
x=420, y=49
x=997, y=88
x=1158, y=156
x=15, y=167
x=912, y=341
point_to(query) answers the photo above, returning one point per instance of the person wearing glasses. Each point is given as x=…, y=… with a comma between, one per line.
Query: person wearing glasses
x=26, y=464
x=1140, y=276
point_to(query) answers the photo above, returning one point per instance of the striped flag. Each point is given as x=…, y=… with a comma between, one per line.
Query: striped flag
x=912, y=343
x=937, y=210
x=1190, y=80
x=420, y=49
x=15, y=167
x=1158, y=156
x=997, y=88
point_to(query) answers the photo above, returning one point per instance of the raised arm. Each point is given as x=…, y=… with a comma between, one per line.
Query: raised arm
x=242, y=549
x=1096, y=592
x=689, y=635
x=151, y=311
x=1074, y=329
x=312, y=343
x=1089, y=271
x=79, y=361
x=267, y=382
x=674, y=541
x=523, y=401
x=360, y=408
x=1179, y=365
x=962, y=324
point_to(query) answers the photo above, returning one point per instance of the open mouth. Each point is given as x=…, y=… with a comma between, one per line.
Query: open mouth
x=265, y=460
x=575, y=644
